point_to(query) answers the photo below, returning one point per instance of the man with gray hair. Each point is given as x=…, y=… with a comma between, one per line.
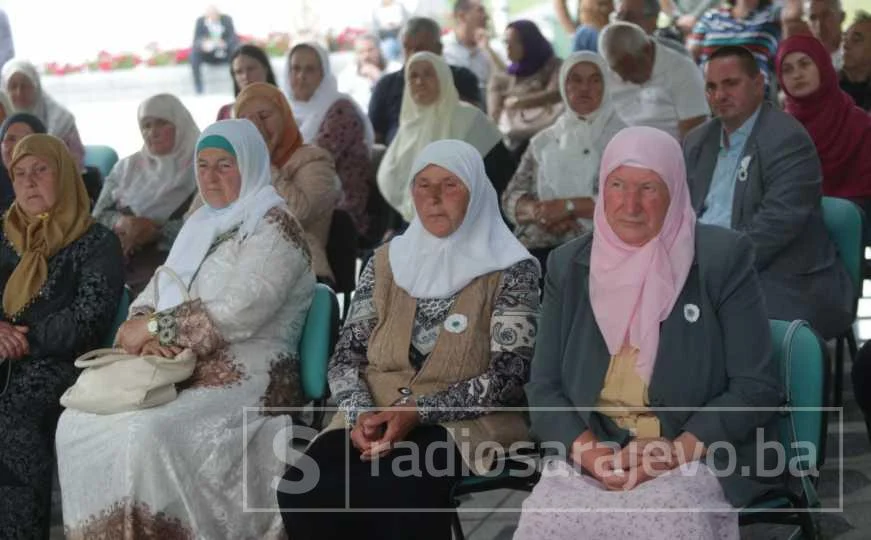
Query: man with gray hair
x=420, y=34
x=645, y=14
x=825, y=18
x=652, y=84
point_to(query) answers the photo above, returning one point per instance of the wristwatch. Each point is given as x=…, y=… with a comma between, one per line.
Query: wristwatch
x=152, y=325
x=570, y=207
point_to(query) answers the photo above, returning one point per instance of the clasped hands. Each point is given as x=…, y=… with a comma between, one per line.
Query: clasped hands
x=135, y=232
x=637, y=462
x=13, y=341
x=551, y=215
x=133, y=336
x=376, y=432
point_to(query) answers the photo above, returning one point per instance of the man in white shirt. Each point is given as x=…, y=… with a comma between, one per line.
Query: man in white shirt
x=369, y=65
x=653, y=85
x=468, y=45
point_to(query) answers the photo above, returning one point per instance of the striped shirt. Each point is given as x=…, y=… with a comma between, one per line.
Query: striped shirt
x=759, y=32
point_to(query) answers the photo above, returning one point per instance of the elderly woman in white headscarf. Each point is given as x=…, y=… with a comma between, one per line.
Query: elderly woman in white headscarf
x=21, y=82
x=333, y=121
x=432, y=111
x=177, y=468
x=439, y=336
x=145, y=196
x=551, y=197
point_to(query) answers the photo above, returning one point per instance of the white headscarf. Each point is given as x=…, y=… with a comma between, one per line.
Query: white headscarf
x=156, y=186
x=256, y=198
x=568, y=152
x=57, y=119
x=447, y=118
x=426, y=266
x=310, y=114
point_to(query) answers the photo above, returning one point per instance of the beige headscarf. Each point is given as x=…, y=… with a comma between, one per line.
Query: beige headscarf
x=447, y=118
x=37, y=238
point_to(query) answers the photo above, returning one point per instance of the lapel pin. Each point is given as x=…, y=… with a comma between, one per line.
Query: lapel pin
x=742, y=172
x=691, y=312
x=456, y=323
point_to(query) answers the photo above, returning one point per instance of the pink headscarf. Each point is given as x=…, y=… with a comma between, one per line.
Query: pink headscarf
x=633, y=289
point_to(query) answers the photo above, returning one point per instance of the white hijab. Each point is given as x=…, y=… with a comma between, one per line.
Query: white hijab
x=310, y=114
x=57, y=119
x=426, y=266
x=156, y=186
x=256, y=198
x=447, y=118
x=568, y=152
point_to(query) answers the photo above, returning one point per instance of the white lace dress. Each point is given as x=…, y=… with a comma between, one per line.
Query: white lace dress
x=198, y=466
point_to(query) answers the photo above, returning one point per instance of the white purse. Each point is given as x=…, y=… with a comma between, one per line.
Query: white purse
x=114, y=381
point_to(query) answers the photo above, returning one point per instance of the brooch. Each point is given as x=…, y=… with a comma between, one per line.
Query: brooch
x=691, y=312
x=456, y=323
x=742, y=172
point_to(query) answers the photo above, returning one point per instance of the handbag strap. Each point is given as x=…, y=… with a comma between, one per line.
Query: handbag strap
x=102, y=357
x=174, y=277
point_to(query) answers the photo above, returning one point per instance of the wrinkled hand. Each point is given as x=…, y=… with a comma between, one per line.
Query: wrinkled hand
x=13, y=341
x=397, y=423
x=552, y=211
x=371, y=72
x=154, y=348
x=511, y=102
x=363, y=436
x=525, y=210
x=685, y=24
x=133, y=335
x=565, y=226
x=595, y=458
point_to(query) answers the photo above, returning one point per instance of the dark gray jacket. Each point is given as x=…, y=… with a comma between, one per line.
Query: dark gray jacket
x=779, y=208
x=720, y=360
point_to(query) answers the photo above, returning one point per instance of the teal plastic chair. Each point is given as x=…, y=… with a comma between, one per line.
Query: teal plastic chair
x=316, y=346
x=120, y=316
x=101, y=157
x=845, y=222
x=799, y=352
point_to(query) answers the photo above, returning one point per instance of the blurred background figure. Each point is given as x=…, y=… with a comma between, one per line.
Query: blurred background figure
x=214, y=41
x=360, y=76
x=7, y=48
x=468, y=45
x=855, y=75
x=387, y=20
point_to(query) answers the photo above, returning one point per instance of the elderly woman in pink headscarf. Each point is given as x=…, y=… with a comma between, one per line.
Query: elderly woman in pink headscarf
x=648, y=313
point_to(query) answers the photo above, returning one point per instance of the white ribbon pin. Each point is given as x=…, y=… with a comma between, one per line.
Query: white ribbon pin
x=691, y=312
x=742, y=171
x=456, y=323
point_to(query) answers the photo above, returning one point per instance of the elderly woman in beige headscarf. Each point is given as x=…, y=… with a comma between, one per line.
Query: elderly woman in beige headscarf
x=145, y=196
x=61, y=278
x=431, y=111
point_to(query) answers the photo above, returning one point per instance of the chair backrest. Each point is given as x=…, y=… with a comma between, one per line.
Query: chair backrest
x=342, y=251
x=317, y=341
x=845, y=223
x=102, y=157
x=120, y=316
x=799, y=352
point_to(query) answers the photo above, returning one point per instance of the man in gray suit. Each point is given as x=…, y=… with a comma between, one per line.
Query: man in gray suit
x=754, y=169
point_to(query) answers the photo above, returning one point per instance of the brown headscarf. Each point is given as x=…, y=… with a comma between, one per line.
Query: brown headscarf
x=38, y=238
x=291, y=140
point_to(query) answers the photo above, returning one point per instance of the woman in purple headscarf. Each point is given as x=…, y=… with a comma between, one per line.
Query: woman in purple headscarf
x=526, y=99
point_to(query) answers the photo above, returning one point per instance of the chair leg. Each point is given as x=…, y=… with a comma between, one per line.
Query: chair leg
x=838, y=384
x=851, y=344
x=457, y=526
x=808, y=526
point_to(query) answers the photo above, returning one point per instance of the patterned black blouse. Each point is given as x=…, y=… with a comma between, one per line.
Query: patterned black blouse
x=72, y=314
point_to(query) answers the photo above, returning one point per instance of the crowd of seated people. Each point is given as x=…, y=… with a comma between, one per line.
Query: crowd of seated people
x=624, y=272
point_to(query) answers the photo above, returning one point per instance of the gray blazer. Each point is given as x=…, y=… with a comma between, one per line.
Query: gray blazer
x=720, y=360
x=778, y=206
